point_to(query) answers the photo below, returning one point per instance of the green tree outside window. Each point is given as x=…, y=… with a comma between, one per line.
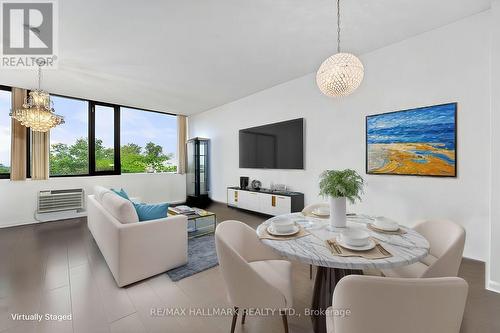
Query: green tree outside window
x=73, y=159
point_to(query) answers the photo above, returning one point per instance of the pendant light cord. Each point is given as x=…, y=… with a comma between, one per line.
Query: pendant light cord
x=39, y=77
x=338, y=26
x=40, y=62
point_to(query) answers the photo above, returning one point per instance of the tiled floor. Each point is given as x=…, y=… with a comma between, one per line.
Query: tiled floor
x=57, y=268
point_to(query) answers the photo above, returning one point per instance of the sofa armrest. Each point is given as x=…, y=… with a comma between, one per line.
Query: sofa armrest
x=104, y=229
x=152, y=247
x=158, y=224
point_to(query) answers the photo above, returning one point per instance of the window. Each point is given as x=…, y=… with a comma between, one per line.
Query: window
x=105, y=139
x=5, y=123
x=149, y=141
x=69, y=149
x=88, y=143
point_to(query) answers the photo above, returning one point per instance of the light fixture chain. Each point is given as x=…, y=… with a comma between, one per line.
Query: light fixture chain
x=338, y=26
x=39, y=77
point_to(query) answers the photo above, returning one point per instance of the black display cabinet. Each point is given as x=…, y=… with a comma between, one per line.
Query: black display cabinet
x=197, y=151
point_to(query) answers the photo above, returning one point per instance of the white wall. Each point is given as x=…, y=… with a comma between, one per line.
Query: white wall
x=18, y=199
x=450, y=64
x=493, y=282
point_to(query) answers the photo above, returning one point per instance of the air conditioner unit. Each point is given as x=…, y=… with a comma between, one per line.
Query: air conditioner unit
x=60, y=204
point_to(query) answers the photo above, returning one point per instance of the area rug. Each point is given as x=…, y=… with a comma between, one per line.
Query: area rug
x=201, y=256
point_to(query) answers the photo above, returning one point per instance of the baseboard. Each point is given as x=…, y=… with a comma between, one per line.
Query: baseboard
x=474, y=259
x=11, y=225
x=218, y=201
x=493, y=286
x=177, y=202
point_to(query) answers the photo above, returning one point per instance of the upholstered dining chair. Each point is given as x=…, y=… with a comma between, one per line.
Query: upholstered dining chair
x=308, y=211
x=395, y=305
x=446, y=241
x=254, y=275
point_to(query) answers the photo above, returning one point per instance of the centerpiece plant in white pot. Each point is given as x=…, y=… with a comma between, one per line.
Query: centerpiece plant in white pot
x=340, y=186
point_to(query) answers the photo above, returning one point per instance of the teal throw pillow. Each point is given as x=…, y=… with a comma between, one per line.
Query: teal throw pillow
x=121, y=192
x=148, y=212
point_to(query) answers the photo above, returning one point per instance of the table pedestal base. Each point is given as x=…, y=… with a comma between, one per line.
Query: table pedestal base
x=324, y=285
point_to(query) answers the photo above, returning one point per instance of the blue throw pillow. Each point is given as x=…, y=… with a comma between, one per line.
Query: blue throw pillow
x=121, y=192
x=148, y=212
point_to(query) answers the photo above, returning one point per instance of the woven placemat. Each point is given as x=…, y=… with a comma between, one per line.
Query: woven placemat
x=400, y=231
x=263, y=234
x=378, y=252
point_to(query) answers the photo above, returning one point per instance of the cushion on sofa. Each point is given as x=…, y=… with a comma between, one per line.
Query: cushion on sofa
x=99, y=192
x=121, y=192
x=147, y=212
x=122, y=209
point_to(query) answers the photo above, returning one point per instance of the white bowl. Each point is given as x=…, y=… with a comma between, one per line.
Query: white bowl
x=355, y=237
x=283, y=225
x=385, y=223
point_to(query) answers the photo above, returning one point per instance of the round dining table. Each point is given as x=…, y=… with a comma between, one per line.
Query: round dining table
x=313, y=249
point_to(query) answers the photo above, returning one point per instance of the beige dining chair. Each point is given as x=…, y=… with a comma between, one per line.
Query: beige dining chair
x=308, y=211
x=254, y=275
x=446, y=241
x=395, y=305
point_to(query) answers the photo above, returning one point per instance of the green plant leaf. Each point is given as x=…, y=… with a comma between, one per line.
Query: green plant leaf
x=341, y=183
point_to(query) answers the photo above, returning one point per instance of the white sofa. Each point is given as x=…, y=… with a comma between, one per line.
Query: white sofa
x=134, y=250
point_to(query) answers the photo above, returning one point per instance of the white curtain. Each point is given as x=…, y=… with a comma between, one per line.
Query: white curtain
x=40, y=148
x=18, y=139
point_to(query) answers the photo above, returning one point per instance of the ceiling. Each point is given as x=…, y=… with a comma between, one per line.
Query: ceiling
x=192, y=55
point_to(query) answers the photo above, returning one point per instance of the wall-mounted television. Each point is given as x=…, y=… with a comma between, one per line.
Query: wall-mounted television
x=274, y=146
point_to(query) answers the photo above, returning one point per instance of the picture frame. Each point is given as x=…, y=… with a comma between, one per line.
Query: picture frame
x=413, y=142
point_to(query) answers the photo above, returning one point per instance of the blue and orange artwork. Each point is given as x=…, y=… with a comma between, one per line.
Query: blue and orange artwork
x=419, y=142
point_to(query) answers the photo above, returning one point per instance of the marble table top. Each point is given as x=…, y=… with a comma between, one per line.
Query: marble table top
x=311, y=249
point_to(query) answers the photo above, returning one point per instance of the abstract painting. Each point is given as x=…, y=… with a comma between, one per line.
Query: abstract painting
x=416, y=142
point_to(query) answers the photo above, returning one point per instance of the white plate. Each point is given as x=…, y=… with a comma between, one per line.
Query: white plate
x=389, y=226
x=273, y=232
x=371, y=244
x=384, y=223
x=321, y=212
x=308, y=224
x=373, y=227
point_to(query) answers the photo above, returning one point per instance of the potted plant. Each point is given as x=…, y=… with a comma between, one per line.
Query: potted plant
x=339, y=185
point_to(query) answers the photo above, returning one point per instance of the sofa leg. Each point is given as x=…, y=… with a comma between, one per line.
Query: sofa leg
x=310, y=272
x=243, y=316
x=285, y=320
x=235, y=318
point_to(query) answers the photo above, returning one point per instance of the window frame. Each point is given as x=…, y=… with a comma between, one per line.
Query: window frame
x=116, y=137
x=9, y=89
x=90, y=136
x=146, y=110
x=88, y=127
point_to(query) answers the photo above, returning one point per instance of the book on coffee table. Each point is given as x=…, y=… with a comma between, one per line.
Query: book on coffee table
x=184, y=210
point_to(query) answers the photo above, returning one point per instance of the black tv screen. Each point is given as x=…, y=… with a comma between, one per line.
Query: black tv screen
x=275, y=146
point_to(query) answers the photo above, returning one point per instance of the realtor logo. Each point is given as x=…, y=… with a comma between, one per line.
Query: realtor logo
x=29, y=33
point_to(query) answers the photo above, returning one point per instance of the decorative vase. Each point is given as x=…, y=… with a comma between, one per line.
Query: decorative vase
x=337, y=212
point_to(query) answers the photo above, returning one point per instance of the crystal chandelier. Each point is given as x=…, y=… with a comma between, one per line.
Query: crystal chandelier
x=37, y=112
x=342, y=73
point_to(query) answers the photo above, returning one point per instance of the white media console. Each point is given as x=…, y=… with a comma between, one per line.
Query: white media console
x=265, y=201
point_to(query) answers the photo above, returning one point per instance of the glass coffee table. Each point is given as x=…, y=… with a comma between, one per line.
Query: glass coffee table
x=201, y=223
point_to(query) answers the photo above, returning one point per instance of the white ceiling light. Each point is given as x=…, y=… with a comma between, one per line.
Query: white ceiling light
x=342, y=73
x=37, y=112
